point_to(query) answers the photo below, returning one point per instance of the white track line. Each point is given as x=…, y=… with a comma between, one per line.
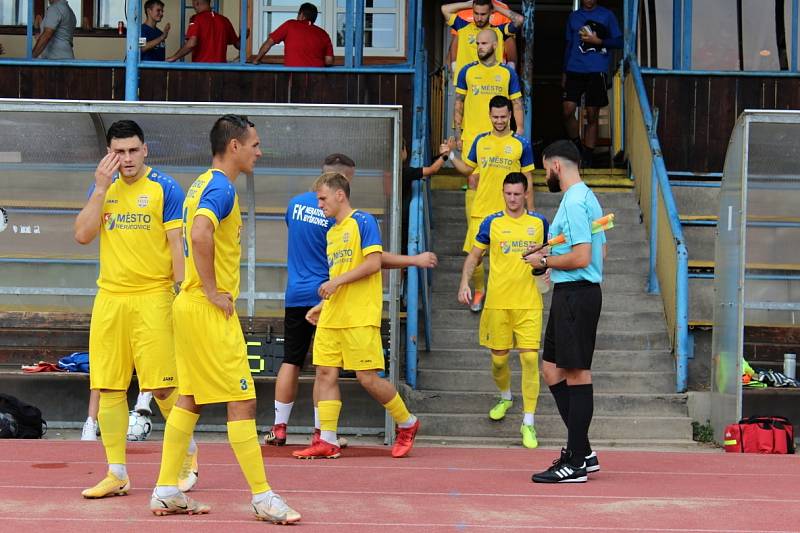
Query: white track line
x=197, y=520
x=451, y=494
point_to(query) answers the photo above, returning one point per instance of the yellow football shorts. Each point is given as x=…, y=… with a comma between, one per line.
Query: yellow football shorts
x=472, y=232
x=504, y=329
x=357, y=348
x=210, y=352
x=130, y=331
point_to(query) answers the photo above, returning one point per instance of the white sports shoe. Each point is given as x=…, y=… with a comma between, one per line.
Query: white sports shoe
x=177, y=503
x=274, y=509
x=143, y=404
x=187, y=477
x=89, y=431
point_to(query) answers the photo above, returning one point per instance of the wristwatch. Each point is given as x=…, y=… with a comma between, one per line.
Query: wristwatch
x=543, y=262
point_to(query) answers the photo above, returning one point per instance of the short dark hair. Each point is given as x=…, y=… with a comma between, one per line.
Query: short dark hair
x=309, y=11
x=499, y=101
x=339, y=159
x=227, y=128
x=151, y=3
x=512, y=178
x=483, y=3
x=334, y=181
x=563, y=149
x=124, y=129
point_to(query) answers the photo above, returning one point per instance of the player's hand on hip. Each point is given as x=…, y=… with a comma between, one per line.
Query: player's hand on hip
x=427, y=260
x=313, y=314
x=327, y=289
x=104, y=174
x=465, y=295
x=224, y=301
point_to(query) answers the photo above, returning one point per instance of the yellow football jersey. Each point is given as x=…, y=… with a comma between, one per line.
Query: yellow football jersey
x=134, y=251
x=479, y=83
x=493, y=158
x=359, y=303
x=511, y=285
x=213, y=195
x=467, y=34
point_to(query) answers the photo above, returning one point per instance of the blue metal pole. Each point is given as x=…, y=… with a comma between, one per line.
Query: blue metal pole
x=411, y=31
x=682, y=320
x=677, y=40
x=652, y=280
x=360, y=25
x=686, y=45
x=132, y=51
x=349, y=23
x=29, y=32
x=634, y=27
x=529, y=11
x=243, y=33
x=795, y=7
x=412, y=288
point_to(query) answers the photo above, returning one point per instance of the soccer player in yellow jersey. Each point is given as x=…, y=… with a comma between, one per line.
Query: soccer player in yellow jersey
x=492, y=156
x=210, y=349
x=512, y=316
x=481, y=20
x=136, y=211
x=348, y=321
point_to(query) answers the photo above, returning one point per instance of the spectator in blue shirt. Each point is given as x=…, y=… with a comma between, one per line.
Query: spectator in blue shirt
x=152, y=41
x=591, y=31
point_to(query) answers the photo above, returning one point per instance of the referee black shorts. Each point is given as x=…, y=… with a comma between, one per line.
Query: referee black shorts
x=593, y=84
x=297, y=333
x=572, y=325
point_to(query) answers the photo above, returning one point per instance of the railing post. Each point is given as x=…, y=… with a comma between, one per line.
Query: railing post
x=349, y=34
x=358, y=45
x=132, y=51
x=243, y=32
x=677, y=28
x=29, y=32
x=686, y=44
x=528, y=10
x=652, y=279
x=682, y=321
x=412, y=288
x=795, y=7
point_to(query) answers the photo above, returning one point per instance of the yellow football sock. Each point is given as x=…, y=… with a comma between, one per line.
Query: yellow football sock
x=501, y=372
x=166, y=405
x=177, y=434
x=530, y=380
x=244, y=441
x=397, y=408
x=113, y=419
x=329, y=414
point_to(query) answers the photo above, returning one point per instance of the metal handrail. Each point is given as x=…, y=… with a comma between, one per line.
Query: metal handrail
x=658, y=186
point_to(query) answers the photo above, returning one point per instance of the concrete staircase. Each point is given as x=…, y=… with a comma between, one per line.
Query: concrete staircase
x=634, y=377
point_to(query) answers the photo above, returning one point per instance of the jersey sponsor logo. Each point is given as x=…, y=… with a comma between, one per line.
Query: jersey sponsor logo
x=127, y=221
x=311, y=215
x=340, y=256
x=505, y=247
x=472, y=38
x=142, y=200
x=515, y=246
x=497, y=161
x=487, y=88
x=476, y=90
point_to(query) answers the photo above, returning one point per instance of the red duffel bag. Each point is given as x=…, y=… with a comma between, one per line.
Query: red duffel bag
x=760, y=434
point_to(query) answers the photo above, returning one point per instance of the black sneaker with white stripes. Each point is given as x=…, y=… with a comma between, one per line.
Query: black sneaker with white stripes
x=592, y=464
x=562, y=471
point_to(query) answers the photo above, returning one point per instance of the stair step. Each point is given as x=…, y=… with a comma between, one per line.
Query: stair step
x=481, y=381
x=622, y=232
x=612, y=301
x=605, y=404
x=477, y=358
x=609, y=320
x=543, y=199
x=453, y=265
x=552, y=427
x=449, y=282
x=632, y=251
x=444, y=213
x=606, y=340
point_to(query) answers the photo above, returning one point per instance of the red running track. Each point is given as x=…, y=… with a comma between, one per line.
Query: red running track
x=433, y=490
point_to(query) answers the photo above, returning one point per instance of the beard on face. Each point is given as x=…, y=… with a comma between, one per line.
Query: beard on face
x=553, y=181
x=486, y=55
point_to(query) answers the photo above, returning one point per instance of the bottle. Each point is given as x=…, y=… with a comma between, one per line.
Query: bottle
x=789, y=365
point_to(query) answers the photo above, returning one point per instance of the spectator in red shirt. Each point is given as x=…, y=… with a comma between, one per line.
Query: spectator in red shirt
x=305, y=45
x=208, y=36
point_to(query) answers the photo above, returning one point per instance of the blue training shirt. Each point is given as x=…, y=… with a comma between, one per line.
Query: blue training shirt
x=578, y=208
x=585, y=58
x=159, y=53
x=307, y=260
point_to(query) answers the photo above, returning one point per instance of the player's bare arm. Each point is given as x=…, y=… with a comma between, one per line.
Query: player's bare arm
x=265, y=48
x=152, y=43
x=519, y=115
x=312, y=316
x=203, y=255
x=452, y=9
x=190, y=44
x=462, y=166
x=87, y=224
x=175, y=240
x=458, y=119
x=371, y=264
x=470, y=264
x=421, y=260
x=515, y=17
x=41, y=43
